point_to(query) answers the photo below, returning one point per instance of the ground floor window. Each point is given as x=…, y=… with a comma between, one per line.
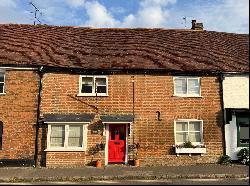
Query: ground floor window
x=189, y=130
x=67, y=136
x=242, y=121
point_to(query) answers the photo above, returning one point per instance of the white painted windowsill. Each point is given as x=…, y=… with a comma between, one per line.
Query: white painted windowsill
x=64, y=149
x=92, y=95
x=187, y=96
x=197, y=150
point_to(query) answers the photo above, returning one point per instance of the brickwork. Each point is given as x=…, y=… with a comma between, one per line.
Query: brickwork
x=65, y=159
x=18, y=109
x=152, y=93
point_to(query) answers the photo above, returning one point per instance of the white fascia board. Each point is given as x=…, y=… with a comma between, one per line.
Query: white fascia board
x=17, y=68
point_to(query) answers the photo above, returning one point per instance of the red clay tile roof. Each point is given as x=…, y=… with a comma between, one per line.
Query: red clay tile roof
x=107, y=48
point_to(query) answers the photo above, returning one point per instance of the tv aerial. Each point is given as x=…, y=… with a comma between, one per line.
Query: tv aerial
x=36, y=11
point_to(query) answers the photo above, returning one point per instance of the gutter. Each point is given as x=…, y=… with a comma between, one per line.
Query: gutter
x=40, y=73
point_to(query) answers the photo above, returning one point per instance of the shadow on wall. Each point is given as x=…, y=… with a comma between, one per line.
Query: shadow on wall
x=43, y=145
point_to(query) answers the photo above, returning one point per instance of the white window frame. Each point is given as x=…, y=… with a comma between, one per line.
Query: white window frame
x=66, y=147
x=187, y=78
x=93, y=86
x=3, y=74
x=189, y=120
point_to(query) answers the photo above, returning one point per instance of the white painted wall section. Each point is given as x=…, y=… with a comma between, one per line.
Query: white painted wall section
x=231, y=139
x=236, y=91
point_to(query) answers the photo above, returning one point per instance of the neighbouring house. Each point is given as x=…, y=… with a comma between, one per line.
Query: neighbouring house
x=236, y=109
x=70, y=95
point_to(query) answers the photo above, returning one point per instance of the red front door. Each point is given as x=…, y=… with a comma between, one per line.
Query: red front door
x=117, y=143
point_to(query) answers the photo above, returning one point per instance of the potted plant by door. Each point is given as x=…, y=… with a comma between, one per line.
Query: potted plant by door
x=96, y=150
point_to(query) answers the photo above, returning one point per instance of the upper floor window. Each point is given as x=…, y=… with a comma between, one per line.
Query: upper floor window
x=67, y=137
x=93, y=86
x=187, y=86
x=189, y=130
x=2, y=78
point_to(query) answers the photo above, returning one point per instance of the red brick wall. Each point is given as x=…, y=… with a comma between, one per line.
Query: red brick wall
x=65, y=159
x=18, y=109
x=152, y=93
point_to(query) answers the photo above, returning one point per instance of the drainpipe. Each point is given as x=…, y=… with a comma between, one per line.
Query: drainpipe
x=40, y=73
x=133, y=133
x=221, y=78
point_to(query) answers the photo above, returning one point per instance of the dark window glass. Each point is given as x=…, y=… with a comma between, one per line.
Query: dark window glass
x=87, y=83
x=1, y=78
x=1, y=134
x=244, y=134
x=86, y=89
x=1, y=87
x=101, y=85
x=122, y=134
x=243, y=128
x=112, y=133
x=101, y=89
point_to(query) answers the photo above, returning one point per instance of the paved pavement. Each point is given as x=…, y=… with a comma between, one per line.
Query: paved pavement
x=122, y=172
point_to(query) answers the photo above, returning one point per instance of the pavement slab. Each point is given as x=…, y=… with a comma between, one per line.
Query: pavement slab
x=17, y=174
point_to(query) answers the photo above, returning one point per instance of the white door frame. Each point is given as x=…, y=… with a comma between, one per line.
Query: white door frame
x=107, y=140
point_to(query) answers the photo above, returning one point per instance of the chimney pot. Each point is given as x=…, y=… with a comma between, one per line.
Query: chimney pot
x=193, y=24
x=196, y=26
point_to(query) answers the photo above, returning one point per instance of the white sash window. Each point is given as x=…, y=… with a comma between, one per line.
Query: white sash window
x=72, y=137
x=187, y=86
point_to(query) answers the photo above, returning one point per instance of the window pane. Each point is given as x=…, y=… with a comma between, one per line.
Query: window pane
x=101, y=89
x=87, y=83
x=194, y=126
x=75, y=136
x=1, y=87
x=181, y=126
x=100, y=81
x=193, y=86
x=1, y=78
x=244, y=134
x=87, y=80
x=194, y=137
x=112, y=133
x=180, y=86
x=122, y=134
x=57, y=136
x=86, y=89
x=181, y=137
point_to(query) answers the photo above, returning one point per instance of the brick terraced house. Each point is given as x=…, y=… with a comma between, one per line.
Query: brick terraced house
x=72, y=95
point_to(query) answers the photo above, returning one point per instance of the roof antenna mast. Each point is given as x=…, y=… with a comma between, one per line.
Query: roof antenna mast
x=35, y=13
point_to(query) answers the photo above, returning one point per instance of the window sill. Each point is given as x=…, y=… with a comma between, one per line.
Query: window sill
x=92, y=95
x=2, y=94
x=197, y=150
x=187, y=96
x=64, y=149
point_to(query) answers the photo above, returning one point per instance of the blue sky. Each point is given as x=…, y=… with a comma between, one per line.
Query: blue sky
x=216, y=15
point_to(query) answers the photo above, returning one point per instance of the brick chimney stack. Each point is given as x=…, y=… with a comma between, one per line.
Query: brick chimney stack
x=196, y=26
